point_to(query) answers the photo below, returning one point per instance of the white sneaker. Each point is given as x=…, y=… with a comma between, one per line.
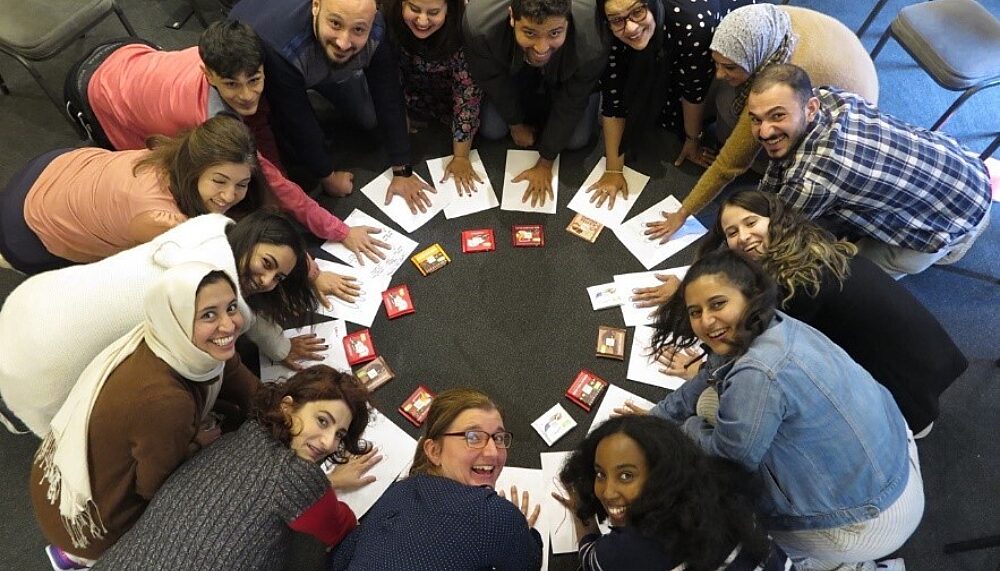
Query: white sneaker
x=891, y=565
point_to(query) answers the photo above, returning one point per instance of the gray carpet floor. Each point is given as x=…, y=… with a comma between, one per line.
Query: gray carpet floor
x=517, y=322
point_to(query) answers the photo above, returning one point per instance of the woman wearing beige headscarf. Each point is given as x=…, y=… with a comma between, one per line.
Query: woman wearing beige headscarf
x=746, y=41
x=136, y=413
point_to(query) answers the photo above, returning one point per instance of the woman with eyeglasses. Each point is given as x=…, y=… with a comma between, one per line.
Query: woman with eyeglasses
x=445, y=514
x=659, y=71
x=746, y=41
x=839, y=470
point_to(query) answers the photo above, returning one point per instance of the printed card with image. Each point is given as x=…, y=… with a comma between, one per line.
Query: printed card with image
x=481, y=240
x=416, y=406
x=528, y=235
x=586, y=228
x=430, y=259
x=359, y=347
x=375, y=374
x=586, y=388
x=397, y=301
x=604, y=296
x=611, y=342
x=554, y=424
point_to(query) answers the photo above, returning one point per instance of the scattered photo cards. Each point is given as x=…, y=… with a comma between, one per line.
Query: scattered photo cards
x=586, y=228
x=397, y=210
x=481, y=240
x=416, y=406
x=519, y=161
x=375, y=374
x=483, y=198
x=430, y=259
x=586, y=388
x=608, y=216
x=554, y=424
x=397, y=301
x=528, y=236
x=399, y=247
x=359, y=347
x=611, y=342
x=604, y=296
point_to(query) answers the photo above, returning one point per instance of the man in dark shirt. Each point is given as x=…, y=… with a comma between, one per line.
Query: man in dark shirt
x=521, y=48
x=330, y=46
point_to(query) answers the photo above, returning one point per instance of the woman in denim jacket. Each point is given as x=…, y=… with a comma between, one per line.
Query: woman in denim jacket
x=839, y=474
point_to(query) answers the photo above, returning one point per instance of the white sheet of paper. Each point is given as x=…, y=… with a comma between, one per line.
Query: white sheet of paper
x=604, y=296
x=365, y=307
x=628, y=282
x=651, y=252
x=519, y=161
x=400, y=247
x=615, y=398
x=529, y=479
x=396, y=448
x=642, y=364
x=332, y=331
x=397, y=210
x=613, y=217
x=562, y=529
x=554, y=424
x=484, y=198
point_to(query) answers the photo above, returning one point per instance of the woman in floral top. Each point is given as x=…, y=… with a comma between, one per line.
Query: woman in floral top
x=436, y=80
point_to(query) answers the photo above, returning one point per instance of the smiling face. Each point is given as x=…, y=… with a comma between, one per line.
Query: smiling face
x=424, y=17
x=715, y=308
x=269, y=265
x=317, y=427
x=745, y=231
x=779, y=120
x=620, y=472
x=452, y=457
x=342, y=26
x=242, y=92
x=223, y=185
x=631, y=22
x=217, y=320
x=540, y=40
x=728, y=71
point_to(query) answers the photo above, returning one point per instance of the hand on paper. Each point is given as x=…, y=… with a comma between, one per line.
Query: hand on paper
x=304, y=348
x=630, y=408
x=329, y=283
x=664, y=229
x=609, y=186
x=460, y=168
x=338, y=183
x=413, y=190
x=523, y=503
x=684, y=363
x=656, y=295
x=539, y=179
x=693, y=151
x=354, y=474
x=523, y=135
x=359, y=241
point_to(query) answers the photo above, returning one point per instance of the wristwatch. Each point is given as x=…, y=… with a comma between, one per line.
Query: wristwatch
x=406, y=171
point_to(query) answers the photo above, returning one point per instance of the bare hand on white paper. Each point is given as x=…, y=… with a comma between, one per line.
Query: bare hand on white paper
x=413, y=190
x=523, y=503
x=460, y=168
x=684, y=363
x=609, y=186
x=330, y=283
x=304, y=348
x=354, y=474
x=359, y=241
x=539, y=178
x=630, y=408
x=664, y=229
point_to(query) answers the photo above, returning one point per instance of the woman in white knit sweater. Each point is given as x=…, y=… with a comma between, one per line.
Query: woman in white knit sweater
x=53, y=324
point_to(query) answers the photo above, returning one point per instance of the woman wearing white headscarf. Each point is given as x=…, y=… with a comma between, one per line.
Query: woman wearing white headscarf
x=135, y=413
x=746, y=41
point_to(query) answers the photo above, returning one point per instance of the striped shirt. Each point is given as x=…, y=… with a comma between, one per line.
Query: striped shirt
x=867, y=173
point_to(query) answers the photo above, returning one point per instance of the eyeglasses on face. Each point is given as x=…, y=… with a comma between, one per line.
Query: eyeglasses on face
x=478, y=438
x=636, y=14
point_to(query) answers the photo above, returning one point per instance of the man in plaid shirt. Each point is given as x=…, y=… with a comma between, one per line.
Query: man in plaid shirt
x=909, y=197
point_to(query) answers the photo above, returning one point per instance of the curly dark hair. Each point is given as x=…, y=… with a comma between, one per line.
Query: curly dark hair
x=698, y=507
x=294, y=298
x=673, y=326
x=319, y=382
x=442, y=44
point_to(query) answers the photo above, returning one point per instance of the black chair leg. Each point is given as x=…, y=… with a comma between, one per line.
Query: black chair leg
x=3, y=87
x=973, y=544
x=871, y=18
x=124, y=21
x=962, y=99
x=881, y=43
x=987, y=154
